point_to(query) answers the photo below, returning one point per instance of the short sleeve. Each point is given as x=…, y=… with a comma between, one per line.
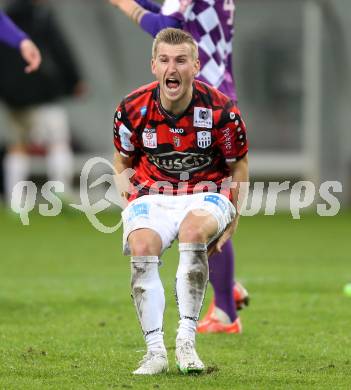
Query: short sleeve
x=231, y=135
x=123, y=135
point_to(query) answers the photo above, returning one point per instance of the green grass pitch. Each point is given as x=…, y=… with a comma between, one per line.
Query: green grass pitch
x=67, y=320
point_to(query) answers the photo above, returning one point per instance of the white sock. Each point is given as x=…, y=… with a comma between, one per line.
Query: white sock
x=149, y=299
x=16, y=168
x=191, y=282
x=60, y=165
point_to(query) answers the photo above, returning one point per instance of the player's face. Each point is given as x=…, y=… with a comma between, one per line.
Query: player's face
x=175, y=69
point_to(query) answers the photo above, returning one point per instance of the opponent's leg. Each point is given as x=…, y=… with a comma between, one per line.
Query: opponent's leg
x=221, y=274
x=222, y=315
x=16, y=162
x=60, y=165
x=16, y=169
x=52, y=129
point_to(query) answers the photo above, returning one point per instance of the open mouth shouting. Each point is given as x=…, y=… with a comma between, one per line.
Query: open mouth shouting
x=172, y=85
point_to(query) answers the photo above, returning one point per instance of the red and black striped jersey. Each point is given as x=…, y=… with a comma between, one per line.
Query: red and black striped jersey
x=169, y=150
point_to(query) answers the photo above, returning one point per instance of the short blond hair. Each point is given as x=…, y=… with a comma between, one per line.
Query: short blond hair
x=175, y=36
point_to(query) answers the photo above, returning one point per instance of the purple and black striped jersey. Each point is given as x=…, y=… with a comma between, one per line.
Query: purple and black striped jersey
x=211, y=23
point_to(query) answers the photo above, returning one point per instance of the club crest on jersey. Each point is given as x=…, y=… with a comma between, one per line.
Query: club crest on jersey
x=203, y=117
x=203, y=139
x=176, y=141
x=150, y=138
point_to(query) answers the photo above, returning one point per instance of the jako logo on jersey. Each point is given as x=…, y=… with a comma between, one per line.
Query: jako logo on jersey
x=203, y=117
x=150, y=138
x=177, y=162
x=203, y=139
x=176, y=131
x=232, y=115
x=143, y=111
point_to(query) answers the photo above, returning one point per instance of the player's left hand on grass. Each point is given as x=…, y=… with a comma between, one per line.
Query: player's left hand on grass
x=31, y=54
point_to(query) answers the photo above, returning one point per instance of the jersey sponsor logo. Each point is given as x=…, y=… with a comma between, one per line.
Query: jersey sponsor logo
x=176, y=130
x=203, y=139
x=177, y=162
x=150, y=138
x=125, y=135
x=203, y=117
x=227, y=140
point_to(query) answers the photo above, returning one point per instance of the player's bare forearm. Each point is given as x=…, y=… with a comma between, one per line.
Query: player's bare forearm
x=124, y=171
x=122, y=162
x=130, y=8
x=240, y=179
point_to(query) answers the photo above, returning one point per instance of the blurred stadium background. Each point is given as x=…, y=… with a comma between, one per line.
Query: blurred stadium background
x=292, y=64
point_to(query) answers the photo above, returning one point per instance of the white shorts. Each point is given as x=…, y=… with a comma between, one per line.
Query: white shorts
x=164, y=214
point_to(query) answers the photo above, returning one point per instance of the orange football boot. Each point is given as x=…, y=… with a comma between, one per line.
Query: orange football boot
x=241, y=298
x=213, y=325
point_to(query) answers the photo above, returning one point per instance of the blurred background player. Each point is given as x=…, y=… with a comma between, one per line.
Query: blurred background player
x=211, y=23
x=39, y=124
x=18, y=39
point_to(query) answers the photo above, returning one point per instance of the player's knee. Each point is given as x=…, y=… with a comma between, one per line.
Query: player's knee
x=144, y=243
x=192, y=233
x=141, y=249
